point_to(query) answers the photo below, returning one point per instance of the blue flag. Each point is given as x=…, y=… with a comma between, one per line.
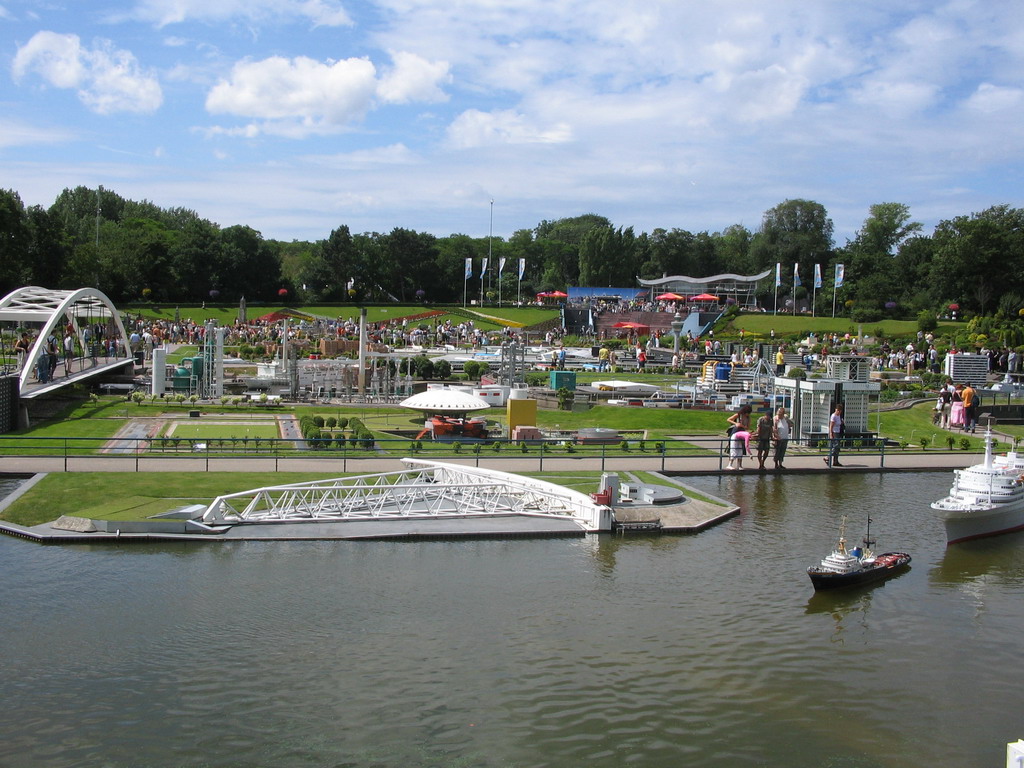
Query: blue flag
x=796, y=275
x=778, y=274
x=817, y=275
x=840, y=274
x=469, y=268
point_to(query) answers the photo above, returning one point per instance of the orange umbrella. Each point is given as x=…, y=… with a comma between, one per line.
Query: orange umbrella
x=668, y=297
x=703, y=297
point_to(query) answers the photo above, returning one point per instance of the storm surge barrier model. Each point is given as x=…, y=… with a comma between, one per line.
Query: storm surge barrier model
x=425, y=490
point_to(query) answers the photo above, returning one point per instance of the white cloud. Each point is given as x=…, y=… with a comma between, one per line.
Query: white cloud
x=107, y=79
x=413, y=78
x=993, y=98
x=300, y=96
x=15, y=133
x=163, y=12
x=395, y=154
x=300, y=90
x=474, y=128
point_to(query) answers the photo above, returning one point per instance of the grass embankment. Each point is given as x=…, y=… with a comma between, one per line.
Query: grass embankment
x=760, y=324
x=133, y=495
x=484, y=317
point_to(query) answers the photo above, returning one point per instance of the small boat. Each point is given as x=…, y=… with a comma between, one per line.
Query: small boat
x=986, y=499
x=848, y=568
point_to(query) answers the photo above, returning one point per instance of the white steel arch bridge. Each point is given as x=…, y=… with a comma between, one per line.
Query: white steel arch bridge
x=424, y=490
x=85, y=314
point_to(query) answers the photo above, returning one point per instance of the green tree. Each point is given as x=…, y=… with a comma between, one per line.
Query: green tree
x=15, y=242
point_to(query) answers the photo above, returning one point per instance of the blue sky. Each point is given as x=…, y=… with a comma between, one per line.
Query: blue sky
x=297, y=116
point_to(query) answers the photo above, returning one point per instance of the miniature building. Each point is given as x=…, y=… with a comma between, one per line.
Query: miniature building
x=813, y=400
x=967, y=369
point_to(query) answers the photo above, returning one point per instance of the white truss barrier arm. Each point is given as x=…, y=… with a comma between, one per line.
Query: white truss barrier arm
x=426, y=489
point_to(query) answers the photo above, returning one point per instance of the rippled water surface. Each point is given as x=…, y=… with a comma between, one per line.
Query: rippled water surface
x=708, y=650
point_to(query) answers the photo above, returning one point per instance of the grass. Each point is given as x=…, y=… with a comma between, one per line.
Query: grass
x=131, y=495
x=760, y=324
x=226, y=315
x=225, y=430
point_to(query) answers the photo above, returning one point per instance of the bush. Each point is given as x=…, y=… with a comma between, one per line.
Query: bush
x=318, y=420
x=965, y=443
x=866, y=315
x=926, y=321
x=331, y=422
x=950, y=441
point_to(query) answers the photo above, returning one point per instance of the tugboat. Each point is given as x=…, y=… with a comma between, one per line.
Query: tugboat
x=857, y=566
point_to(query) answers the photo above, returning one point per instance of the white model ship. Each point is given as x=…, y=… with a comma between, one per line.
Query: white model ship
x=986, y=499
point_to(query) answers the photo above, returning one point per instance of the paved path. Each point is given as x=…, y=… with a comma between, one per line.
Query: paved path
x=896, y=461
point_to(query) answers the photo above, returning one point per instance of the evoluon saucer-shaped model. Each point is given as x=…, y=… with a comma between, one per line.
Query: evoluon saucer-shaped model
x=445, y=401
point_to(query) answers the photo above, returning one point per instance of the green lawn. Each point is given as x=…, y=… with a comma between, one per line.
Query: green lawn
x=133, y=495
x=375, y=314
x=760, y=324
x=188, y=430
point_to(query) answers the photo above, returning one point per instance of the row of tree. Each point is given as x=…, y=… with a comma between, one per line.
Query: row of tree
x=135, y=251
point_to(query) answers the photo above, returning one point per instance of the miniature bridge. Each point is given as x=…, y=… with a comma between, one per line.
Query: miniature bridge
x=99, y=344
x=427, y=489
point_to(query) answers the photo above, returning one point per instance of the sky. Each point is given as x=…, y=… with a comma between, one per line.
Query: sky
x=485, y=117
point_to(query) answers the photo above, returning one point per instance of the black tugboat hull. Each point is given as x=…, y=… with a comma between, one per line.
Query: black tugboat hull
x=886, y=566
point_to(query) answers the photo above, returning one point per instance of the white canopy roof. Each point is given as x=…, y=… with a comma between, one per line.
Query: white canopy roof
x=445, y=401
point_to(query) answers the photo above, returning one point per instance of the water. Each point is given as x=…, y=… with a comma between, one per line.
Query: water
x=709, y=650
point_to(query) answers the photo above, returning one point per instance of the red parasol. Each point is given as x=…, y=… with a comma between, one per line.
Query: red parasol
x=668, y=297
x=703, y=297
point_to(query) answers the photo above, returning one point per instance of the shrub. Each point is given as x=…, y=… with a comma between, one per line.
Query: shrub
x=331, y=422
x=965, y=443
x=950, y=441
x=924, y=442
x=457, y=447
x=318, y=420
x=496, y=447
x=442, y=369
x=624, y=446
x=926, y=321
x=342, y=423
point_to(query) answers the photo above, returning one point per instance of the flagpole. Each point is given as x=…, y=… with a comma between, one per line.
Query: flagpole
x=794, y=290
x=490, y=231
x=778, y=279
x=835, y=289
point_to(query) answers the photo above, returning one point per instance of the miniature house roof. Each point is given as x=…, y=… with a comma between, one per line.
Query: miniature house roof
x=445, y=401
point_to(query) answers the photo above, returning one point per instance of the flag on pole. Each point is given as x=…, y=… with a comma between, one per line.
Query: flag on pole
x=796, y=275
x=817, y=275
x=840, y=274
x=778, y=274
x=522, y=268
x=501, y=264
x=469, y=268
x=483, y=269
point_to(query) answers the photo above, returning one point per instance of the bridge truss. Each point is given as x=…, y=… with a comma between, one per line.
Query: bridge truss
x=52, y=312
x=426, y=489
